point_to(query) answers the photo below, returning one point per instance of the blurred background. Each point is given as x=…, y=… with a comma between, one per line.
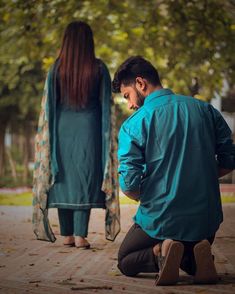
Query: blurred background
x=191, y=43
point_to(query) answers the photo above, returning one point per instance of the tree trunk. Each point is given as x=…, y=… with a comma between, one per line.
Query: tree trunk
x=27, y=135
x=12, y=164
x=2, y=149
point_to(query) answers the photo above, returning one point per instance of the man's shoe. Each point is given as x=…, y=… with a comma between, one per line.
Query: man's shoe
x=169, y=262
x=205, y=267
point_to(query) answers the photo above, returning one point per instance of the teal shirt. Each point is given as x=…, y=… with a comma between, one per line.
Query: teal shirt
x=170, y=149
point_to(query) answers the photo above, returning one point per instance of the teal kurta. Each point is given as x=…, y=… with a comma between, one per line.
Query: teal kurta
x=46, y=170
x=79, y=155
x=170, y=149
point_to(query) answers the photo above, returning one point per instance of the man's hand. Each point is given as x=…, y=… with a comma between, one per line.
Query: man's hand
x=134, y=195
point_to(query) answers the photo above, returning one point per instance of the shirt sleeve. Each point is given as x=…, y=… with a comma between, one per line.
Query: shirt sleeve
x=224, y=149
x=131, y=160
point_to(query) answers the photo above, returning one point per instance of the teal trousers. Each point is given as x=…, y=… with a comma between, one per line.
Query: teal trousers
x=74, y=222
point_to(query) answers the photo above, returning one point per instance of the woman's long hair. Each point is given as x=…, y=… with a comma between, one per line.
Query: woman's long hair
x=77, y=64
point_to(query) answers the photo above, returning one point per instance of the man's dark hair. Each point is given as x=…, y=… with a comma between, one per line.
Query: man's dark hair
x=133, y=67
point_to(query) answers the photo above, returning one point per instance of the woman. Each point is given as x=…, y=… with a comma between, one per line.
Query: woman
x=78, y=91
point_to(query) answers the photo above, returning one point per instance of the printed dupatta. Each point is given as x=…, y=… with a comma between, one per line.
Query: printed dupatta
x=46, y=168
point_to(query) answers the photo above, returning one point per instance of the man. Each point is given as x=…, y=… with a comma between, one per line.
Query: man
x=172, y=151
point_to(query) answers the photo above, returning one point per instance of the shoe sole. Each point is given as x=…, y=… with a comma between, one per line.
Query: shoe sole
x=205, y=267
x=69, y=245
x=169, y=275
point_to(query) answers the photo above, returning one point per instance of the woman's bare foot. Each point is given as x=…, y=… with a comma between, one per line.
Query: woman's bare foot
x=69, y=240
x=81, y=242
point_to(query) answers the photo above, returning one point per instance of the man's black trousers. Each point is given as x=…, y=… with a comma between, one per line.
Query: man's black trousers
x=136, y=253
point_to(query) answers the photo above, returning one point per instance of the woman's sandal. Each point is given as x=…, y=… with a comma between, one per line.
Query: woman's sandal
x=69, y=241
x=69, y=244
x=170, y=263
x=81, y=242
x=85, y=246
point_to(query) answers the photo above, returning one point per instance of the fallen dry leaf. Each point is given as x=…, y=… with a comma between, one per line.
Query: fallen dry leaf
x=115, y=273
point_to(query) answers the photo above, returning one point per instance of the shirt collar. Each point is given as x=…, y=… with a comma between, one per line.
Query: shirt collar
x=157, y=93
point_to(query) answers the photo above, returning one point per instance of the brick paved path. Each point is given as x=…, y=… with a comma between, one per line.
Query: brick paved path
x=31, y=266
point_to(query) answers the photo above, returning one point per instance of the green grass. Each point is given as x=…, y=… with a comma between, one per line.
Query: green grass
x=126, y=200
x=25, y=199
x=228, y=199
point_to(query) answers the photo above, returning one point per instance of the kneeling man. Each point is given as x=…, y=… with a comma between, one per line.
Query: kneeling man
x=172, y=150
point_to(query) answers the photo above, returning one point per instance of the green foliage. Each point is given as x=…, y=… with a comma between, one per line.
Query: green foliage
x=182, y=38
x=122, y=112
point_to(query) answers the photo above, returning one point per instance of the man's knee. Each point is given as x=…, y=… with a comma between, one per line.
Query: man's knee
x=126, y=268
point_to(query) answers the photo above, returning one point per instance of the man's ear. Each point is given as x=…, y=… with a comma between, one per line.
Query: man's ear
x=140, y=83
